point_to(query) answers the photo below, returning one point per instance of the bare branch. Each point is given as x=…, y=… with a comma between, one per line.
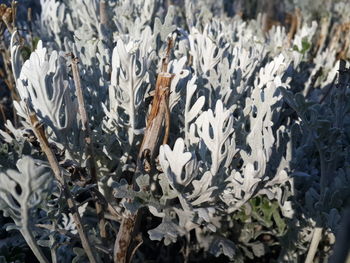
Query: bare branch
x=88, y=140
x=159, y=114
x=39, y=132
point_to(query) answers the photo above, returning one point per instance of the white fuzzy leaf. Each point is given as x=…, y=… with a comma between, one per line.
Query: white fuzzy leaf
x=215, y=131
x=174, y=161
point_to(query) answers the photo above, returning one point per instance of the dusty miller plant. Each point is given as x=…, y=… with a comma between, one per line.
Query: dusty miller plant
x=258, y=151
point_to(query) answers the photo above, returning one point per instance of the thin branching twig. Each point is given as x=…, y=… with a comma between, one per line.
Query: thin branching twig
x=39, y=132
x=316, y=238
x=8, y=17
x=89, y=144
x=157, y=118
x=30, y=28
x=103, y=12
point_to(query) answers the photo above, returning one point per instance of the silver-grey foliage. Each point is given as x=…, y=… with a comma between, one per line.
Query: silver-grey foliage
x=252, y=130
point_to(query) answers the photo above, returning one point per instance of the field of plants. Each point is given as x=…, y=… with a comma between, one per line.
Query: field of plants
x=175, y=131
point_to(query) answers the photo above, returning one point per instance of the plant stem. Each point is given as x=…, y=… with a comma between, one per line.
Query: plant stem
x=29, y=238
x=316, y=237
x=29, y=18
x=89, y=147
x=8, y=75
x=158, y=115
x=103, y=12
x=27, y=233
x=39, y=132
x=53, y=251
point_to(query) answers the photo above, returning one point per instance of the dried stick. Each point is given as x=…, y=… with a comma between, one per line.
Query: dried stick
x=106, y=33
x=29, y=18
x=325, y=23
x=336, y=32
x=293, y=27
x=103, y=12
x=316, y=237
x=89, y=147
x=39, y=132
x=3, y=115
x=14, y=14
x=8, y=17
x=345, y=49
x=158, y=115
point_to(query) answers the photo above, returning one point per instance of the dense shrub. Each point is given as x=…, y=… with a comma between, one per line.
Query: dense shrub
x=254, y=166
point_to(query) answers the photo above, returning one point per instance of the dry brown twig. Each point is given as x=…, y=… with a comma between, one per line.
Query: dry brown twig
x=339, y=39
x=30, y=28
x=39, y=132
x=294, y=20
x=103, y=12
x=8, y=21
x=89, y=146
x=158, y=115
